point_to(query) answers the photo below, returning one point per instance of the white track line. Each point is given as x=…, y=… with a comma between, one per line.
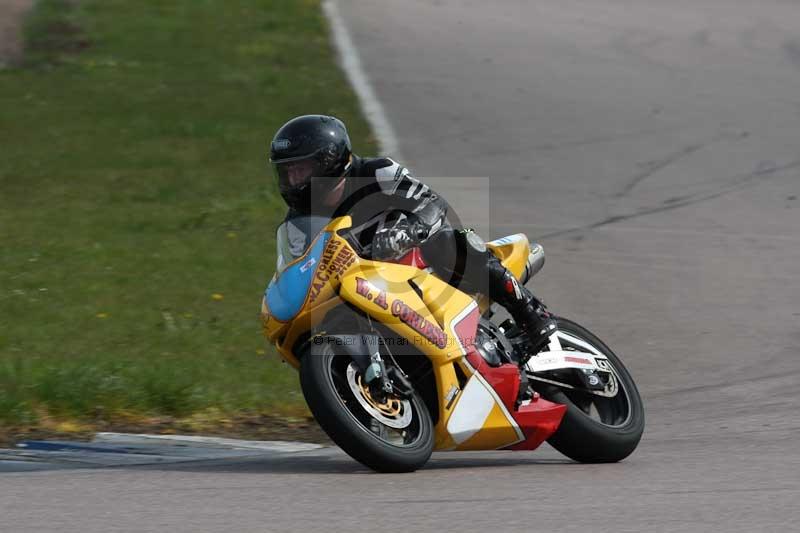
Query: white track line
x=351, y=63
x=218, y=442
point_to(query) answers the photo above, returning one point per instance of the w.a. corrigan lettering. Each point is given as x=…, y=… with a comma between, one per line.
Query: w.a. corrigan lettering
x=419, y=324
x=334, y=261
x=406, y=314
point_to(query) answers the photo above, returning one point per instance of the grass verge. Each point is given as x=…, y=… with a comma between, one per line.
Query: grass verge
x=138, y=212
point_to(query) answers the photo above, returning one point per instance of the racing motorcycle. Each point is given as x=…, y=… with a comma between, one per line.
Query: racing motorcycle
x=395, y=363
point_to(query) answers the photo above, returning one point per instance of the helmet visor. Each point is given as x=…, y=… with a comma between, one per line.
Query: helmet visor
x=296, y=173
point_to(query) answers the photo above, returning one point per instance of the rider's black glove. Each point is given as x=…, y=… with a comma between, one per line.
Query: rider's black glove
x=391, y=243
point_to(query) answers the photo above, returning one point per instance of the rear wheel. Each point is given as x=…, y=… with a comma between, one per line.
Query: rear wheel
x=596, y=429
x=390, y=435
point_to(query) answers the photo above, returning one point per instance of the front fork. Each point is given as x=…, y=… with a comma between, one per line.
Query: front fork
x=364, y=350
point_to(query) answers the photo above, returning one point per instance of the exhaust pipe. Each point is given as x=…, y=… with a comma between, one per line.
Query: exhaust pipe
x=535, y=262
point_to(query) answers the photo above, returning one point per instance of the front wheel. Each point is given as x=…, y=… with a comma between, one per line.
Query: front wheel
x=391, y=435
x=596, y=429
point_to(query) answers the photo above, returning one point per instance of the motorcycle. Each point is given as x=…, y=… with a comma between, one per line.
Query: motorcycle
x=395, y=363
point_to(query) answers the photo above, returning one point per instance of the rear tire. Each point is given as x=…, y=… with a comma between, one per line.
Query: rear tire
x=343, y=418
x=586, y=439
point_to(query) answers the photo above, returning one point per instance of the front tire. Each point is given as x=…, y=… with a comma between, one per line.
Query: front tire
x=360, y=429
x=595, y=430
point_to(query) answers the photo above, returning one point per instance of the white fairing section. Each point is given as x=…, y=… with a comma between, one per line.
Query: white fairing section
x=557, y=360
x=555, y=343
x=471, y=411
x=566, y=337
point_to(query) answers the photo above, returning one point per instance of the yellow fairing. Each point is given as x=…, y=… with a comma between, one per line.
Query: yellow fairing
x=512, y=251
x=285, y=335
x=423, y=309
x=383, y=290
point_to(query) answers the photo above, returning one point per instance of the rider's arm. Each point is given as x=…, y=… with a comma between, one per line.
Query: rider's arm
x=410, y=195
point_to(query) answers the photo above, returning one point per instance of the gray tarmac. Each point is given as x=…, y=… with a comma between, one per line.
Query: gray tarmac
x=654, y=149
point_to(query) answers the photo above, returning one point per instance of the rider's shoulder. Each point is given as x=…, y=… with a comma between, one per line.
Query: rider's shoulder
x=382, y=168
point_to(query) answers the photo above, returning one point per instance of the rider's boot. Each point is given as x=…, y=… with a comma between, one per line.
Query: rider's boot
x=528, y=312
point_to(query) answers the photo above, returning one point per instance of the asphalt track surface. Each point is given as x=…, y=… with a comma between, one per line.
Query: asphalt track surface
x=653, y=148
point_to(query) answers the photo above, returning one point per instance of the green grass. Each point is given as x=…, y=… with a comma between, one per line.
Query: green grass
x=134, y=186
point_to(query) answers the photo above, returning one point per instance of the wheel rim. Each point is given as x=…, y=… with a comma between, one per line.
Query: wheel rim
x=393, y=421
x=611, y=412
x=392, y=411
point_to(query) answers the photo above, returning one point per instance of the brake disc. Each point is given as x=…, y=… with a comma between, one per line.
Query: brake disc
x=393, y=412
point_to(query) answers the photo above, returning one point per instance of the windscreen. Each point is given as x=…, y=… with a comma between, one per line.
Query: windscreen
x=295, y=235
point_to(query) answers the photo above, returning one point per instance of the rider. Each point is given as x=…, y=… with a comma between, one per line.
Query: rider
x=319, y=175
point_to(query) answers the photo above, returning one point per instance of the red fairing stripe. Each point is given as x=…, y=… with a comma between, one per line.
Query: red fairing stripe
x=580, y=360
x=467, y=327
x=504, y=379
x=538, y=421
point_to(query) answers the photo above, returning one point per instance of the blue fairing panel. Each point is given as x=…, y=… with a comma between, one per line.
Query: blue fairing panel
x=286, y=294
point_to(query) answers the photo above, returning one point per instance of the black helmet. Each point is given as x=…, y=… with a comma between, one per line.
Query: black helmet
x=310, y=152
